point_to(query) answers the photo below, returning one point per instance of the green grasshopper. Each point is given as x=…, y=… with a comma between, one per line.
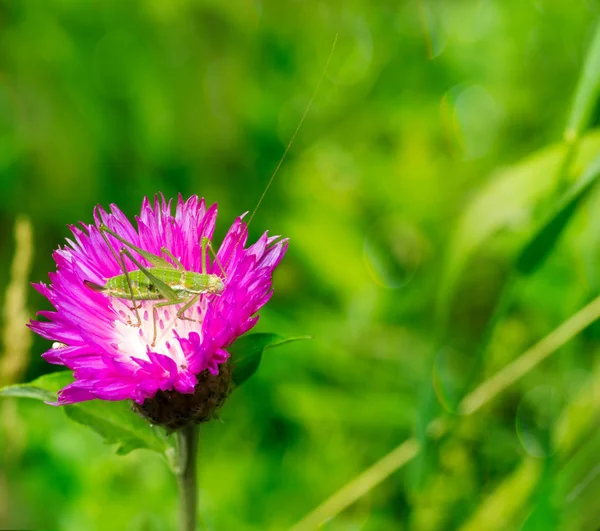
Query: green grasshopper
x=162, y=281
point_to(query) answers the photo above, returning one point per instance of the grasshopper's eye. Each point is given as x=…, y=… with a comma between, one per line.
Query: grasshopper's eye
x=216, y=284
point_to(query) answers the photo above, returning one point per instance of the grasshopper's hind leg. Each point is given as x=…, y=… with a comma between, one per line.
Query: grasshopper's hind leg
x=193, y=300
x=179, y=313
x=135, y=307
x=166, y=252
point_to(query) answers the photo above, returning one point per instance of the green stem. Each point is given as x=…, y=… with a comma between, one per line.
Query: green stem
x=186, y=477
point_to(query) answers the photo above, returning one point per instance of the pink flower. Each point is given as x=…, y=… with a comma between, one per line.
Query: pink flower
x=111, y=356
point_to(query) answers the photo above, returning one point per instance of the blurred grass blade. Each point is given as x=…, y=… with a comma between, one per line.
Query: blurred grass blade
x=500, y=508
x=482, y=395
x=530, y=359
x=534, y=253
x=578, y=482
x=587, y=91
x=360, y=485
x=580, y=416
x=16, y=337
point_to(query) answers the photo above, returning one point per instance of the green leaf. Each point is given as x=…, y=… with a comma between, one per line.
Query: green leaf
x=112, y=420
x=587, y=91
x=543, y=241
x=246, y=353
x=28, y=391
x=118, y=424
x=43, y=388
x=508, y=205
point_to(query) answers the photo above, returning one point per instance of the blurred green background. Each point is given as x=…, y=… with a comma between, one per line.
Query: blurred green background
x=406, y=201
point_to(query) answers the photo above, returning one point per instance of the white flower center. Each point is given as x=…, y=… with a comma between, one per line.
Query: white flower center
x=133, y=336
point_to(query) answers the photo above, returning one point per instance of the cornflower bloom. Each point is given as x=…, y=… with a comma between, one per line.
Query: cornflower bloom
x=182, y=374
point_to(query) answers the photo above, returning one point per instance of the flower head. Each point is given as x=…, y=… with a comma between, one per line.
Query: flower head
x=119, y=348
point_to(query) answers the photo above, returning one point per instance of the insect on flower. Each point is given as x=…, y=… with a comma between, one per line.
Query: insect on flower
x=113, y=355
x=162, y=281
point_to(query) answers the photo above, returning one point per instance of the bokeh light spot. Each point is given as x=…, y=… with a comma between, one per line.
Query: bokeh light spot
x=473, y=120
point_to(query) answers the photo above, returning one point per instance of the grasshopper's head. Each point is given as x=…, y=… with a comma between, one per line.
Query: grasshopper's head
x=215, y=284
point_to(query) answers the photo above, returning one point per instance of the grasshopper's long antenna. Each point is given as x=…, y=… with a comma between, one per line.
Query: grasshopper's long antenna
x=312, y=99
x=310, y=102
